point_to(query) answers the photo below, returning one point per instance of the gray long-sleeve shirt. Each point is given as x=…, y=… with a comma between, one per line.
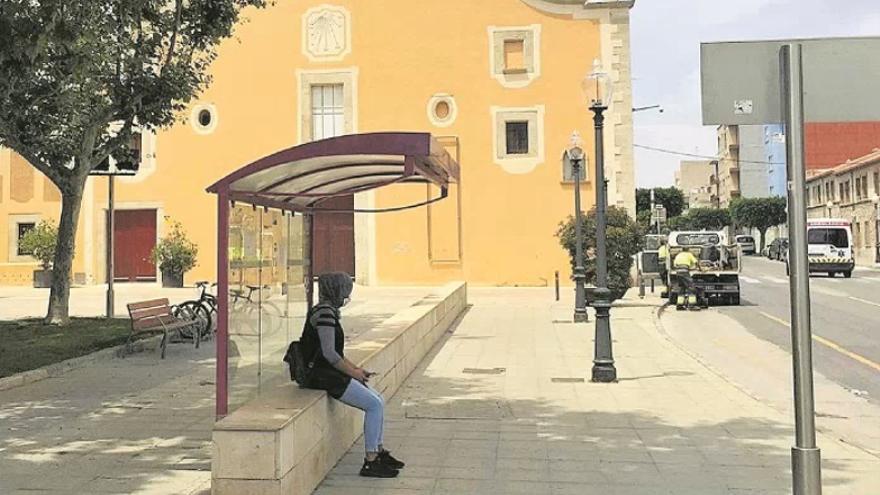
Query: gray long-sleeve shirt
x=325, y=322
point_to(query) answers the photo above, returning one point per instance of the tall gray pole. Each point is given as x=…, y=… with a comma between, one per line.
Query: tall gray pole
x=805, y=456
x=580, y=303
x=603, y=359
x=111, y=230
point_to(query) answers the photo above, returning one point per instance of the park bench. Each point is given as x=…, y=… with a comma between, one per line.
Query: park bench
x=156, y=316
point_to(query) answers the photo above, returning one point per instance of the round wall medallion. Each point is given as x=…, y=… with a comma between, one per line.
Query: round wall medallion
x=442, y=110
x=204, y=118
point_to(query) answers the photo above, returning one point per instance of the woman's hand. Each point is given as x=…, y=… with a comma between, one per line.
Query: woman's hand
x=360, y=375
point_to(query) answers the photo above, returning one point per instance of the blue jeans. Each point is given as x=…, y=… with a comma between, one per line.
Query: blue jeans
x=371, y=403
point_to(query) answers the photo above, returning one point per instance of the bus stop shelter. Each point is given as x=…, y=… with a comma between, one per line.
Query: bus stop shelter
x=264, y=241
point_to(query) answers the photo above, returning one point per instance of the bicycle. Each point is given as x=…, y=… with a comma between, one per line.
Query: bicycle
x=202, y=310
x=244, y=305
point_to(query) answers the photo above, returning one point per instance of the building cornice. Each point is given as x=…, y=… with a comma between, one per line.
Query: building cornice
x=578, y=9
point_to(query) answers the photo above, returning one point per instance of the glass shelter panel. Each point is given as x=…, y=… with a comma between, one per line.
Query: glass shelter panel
x=266, y=305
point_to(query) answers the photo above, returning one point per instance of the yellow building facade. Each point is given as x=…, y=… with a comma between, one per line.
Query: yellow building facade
x=498, y=81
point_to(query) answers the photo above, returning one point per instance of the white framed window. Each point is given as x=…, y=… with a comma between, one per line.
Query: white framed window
x=328, y=111
x=327, y=103
x=442, y=110
x=19, y=225
x=518, y=137
x=204, y=118
x=515, y=54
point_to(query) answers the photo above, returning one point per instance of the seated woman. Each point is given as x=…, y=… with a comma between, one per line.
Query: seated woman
x=341, y=378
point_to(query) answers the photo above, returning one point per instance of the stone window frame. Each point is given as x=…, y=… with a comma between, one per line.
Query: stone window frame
x=531, y=38
x=348, y=77
x=148, y=156
x=197, y=126
x=14, y=221
x=518, y=163
x=435, y=119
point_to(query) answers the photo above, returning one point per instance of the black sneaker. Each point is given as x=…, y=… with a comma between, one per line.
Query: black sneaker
x=377, y=469
x=386, y=458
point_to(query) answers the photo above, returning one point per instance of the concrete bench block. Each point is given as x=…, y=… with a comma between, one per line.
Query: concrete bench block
x=286, y=440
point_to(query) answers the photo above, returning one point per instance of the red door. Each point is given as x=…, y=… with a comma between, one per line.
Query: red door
x=334, y=238
x=134, y=238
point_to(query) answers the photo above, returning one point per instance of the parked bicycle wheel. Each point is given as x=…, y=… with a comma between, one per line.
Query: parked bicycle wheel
x=193, y=310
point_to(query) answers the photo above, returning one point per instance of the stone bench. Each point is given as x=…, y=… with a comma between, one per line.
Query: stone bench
x=286, y=440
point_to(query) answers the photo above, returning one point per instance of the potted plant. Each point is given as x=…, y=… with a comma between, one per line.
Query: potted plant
x=40, y=243
x=175, y=255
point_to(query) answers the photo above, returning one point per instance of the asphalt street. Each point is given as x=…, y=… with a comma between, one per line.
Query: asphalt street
x=845, y=316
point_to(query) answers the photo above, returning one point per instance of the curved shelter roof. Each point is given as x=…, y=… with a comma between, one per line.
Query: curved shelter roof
x=299, y=178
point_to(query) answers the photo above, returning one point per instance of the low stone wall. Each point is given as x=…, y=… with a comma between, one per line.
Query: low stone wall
x=288, y=439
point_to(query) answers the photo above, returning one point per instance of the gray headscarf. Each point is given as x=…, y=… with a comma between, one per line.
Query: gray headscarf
x=334, y=287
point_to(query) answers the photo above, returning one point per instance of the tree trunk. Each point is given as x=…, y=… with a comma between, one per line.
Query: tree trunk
x=763, y=239
x=59, y=296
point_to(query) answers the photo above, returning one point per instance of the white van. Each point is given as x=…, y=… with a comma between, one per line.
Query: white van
x=830, y=246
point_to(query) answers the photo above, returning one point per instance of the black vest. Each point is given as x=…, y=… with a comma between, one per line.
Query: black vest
x=324, y=376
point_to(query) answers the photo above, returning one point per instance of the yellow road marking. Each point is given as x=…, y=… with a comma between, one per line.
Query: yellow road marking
x=859, y=299
x=830, y=344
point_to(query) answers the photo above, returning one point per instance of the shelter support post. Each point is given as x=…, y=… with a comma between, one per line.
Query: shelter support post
x=222, y=378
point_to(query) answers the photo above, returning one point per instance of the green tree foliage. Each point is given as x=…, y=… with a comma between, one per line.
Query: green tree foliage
x=77, y=78
x=624, y=239
x=671, y=198
x=40, y=243
x=758, y=213
x=701, y=219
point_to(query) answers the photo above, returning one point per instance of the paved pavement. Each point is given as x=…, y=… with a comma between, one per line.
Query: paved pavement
x=846, y=319
x=500, y=407
x=138, y=425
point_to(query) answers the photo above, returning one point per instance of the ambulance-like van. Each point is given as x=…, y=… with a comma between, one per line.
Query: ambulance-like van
x=830, y=246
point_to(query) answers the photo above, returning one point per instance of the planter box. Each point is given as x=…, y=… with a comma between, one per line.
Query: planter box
x=42, y=279
x=171, y=279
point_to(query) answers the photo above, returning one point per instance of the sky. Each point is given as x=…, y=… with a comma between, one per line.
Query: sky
x=666, y=37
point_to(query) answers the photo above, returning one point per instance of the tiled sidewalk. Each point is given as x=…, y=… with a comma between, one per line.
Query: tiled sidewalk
x=138, y=425
x=498, y=410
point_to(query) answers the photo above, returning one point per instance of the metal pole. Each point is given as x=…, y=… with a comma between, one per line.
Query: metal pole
x=111, y=248
x=603, y=360
x=805, y=456
x=580, y=296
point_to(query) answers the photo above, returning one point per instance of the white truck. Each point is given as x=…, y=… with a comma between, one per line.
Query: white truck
x=830, y=246
x=717, y=279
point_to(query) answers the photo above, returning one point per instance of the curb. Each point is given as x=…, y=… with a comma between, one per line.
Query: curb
x=57, y=369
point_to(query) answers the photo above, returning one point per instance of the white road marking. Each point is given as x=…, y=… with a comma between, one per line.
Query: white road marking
x=859, y=299
x=749, y=280
x=831, y=344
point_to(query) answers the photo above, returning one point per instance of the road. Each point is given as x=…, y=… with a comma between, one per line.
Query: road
x=750, y=345
x=845, y=315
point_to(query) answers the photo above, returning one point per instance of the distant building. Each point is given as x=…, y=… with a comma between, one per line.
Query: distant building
x=774, y=153
x=754, y=168
x=695, y=179
x=742, y=163
x=852, y=191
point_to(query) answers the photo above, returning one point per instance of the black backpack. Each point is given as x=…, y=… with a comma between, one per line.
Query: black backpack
x=300, y=370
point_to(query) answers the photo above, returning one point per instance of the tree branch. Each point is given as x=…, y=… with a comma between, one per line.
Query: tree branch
x=178, y=9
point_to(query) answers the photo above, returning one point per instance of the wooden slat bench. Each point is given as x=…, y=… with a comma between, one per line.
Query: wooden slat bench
x=155, y=316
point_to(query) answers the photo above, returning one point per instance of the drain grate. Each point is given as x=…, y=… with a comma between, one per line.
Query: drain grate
x=484, y=371
x=567, y=380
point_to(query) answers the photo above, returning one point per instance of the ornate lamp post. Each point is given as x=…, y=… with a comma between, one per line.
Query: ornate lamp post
x=598, y=89
x=575, y=155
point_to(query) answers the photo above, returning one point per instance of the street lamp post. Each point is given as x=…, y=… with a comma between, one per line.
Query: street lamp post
x=575, y=155
x=603, y=358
